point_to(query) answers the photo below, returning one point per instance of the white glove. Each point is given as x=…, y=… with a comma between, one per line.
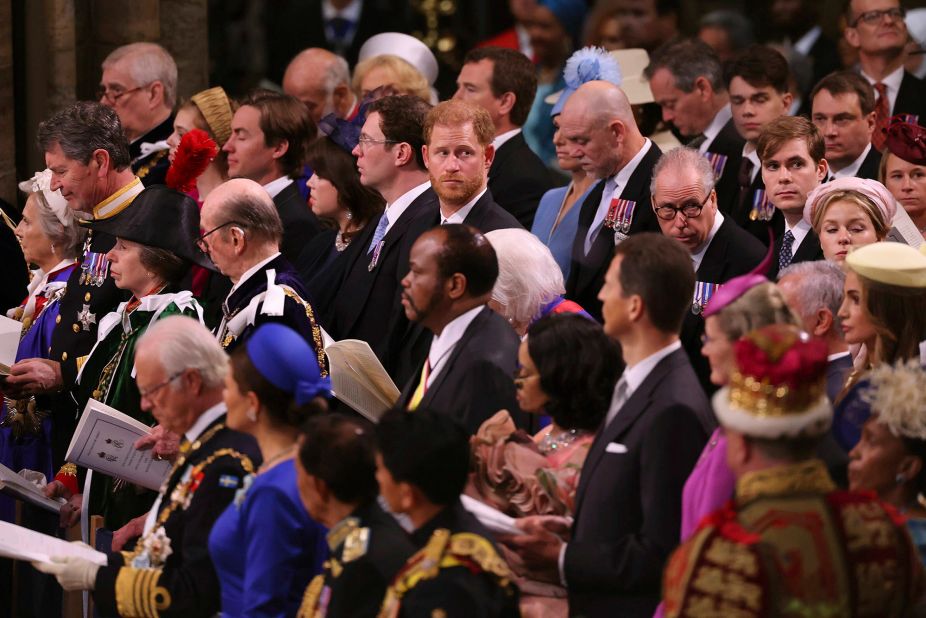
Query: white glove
x=72, y=573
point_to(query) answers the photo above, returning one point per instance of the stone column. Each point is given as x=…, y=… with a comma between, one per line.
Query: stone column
x=185, y=34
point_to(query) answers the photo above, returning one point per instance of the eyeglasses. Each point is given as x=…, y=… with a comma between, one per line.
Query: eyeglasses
x=112, y=96
x=365, y=141
x=201, y=241
x=873, y=17
x=690, y=209
x=147, y=393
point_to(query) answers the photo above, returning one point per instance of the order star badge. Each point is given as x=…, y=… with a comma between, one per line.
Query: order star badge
x=86, y=318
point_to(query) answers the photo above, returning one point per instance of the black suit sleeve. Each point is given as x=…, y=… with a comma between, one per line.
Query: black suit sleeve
x=672, y=443
x=491, y=389
x=189, y=586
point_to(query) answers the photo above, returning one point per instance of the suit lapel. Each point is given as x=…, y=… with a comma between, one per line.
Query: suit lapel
x=474, y=327
x=713, y=264
x=477, y=215
x=503, y=154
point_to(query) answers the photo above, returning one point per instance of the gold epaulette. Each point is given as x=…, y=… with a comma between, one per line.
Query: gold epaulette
x=138, y=594
x=713, y=575
x=310, y=598
x=445, y=551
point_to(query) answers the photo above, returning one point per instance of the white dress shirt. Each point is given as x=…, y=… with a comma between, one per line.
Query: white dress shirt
x=275, y=186
x=892, y=82
x=698, y=256
x=749, y=152
x=442, y=345
x=799, y=232
x=806, y=42
x=721, y=118
x=500, y=140
x=394, y=210
x=851, y=169
x=460, y=215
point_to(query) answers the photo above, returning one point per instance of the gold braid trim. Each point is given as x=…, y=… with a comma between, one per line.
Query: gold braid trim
x=138, y=594
x=68, y=469
x=155, y=159
x=310, y=599
x=804, y=477
x=317, y=342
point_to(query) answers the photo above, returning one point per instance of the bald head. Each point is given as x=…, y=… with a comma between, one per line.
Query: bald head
x=321, y=80
x=246, y=203
x=598, y=126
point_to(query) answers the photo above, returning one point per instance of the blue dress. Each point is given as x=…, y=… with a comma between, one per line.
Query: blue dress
x=32, y=450
x=265, y=547
x=560, y=240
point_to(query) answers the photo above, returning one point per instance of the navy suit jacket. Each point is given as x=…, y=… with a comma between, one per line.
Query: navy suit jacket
x=629, y=499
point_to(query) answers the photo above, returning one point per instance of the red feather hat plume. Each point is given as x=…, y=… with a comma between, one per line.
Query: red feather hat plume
x=194, y=154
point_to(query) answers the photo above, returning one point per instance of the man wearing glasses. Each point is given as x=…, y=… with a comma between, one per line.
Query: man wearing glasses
x=685, y=203
x=139, y=83
x=242, y=237
x=876, y=28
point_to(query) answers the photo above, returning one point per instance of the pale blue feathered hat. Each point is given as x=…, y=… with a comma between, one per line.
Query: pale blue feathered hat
x=586, y=65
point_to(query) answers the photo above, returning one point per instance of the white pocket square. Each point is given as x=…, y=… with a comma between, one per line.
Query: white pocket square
x=614, y=447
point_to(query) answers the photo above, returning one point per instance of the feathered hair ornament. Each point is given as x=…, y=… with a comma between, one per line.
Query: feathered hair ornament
x=590, y=64
x=194, y=154
x=897, y=395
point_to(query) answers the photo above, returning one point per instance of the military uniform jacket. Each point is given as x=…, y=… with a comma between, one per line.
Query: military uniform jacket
x=367, y=550
x=272, y=294
x=458, y=572
x=789, y=545
x=180, y=580
x=90, y=295
x=149, y=153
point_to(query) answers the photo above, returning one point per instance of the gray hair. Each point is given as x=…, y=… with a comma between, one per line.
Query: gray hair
x=148, y=63
x=684, y=158
x=687, y=61
x=337, y=72
x=256, y=215
x=820, y=285
x=82, y=128
x=67, y=239
x=735, y=24
x=184, y=343
x=528, y=276
x=759, y=306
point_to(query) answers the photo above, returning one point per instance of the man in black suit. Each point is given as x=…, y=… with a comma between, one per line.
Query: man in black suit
x=321, y=80
x=422, y=465
x=814, y=291
x=340, y=27
x=170, y=571
x=881, y=54
x=791, y=150
x=686, y=205
x=687, y=82
x=270, y=133
x=798, y=26
x=336, y=475
x=598, y=126
x=390, y=160
x=503, y=83
x=843, y=110
x=139, y=83
x=758, y=84
x=466, y=372
x=628, y=503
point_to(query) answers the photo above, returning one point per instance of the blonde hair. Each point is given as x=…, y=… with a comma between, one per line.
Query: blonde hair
x=406, y=79
x=875, y=214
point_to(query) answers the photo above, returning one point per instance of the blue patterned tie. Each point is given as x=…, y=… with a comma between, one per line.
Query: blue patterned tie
x=379, y=233
x=784, y=256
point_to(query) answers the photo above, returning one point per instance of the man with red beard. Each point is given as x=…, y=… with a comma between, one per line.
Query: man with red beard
x=458, y=153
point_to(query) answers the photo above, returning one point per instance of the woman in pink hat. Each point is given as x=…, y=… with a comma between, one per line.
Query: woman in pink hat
x=848, y=213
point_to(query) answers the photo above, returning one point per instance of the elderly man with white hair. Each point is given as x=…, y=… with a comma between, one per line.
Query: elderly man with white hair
x=321, y=80
x=530, y=284
x=814, y=292
x=180, y=372
x=242, y=236
x=139, y=82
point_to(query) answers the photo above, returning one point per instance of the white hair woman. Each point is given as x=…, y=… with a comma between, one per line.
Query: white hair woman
x=50, y=240
x=530, y=283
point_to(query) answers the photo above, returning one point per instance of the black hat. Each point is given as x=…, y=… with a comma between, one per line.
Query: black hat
x=159, y=217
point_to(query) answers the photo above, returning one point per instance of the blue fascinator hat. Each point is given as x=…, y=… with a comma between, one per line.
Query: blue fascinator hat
x=287, y=361
x=586, y=65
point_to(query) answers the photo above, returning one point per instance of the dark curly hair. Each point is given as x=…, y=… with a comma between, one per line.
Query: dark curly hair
x=578, y=366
